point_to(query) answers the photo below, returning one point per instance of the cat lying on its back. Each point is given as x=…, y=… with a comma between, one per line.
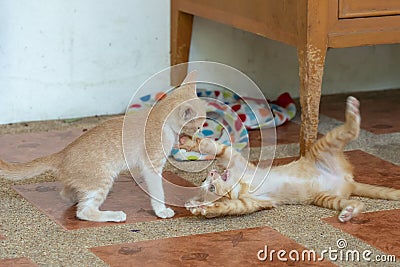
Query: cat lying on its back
x=322, y=177
x=88, y=166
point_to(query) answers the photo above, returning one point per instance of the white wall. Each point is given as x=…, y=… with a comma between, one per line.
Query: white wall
x=62, y=59
x=75, y=58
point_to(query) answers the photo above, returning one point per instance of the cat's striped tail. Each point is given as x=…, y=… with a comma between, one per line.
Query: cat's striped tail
x=374, y=191
x=20, y=171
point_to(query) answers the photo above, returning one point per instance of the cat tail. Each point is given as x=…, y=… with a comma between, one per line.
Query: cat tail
x=21, y=171
x=374, y=191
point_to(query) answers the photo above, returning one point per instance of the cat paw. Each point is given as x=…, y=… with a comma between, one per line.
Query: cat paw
x=118, y=216
x=165, y=213
x=188, y=143
x=202, y=209
x=94, y=215
x=346, y=214
x=193, y=204
x=197, y=210
x=352, y=106
x=208, y=146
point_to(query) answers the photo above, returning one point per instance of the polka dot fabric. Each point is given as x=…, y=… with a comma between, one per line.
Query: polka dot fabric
x=229, y=117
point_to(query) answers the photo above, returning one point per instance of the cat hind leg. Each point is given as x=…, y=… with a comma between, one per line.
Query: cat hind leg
x=353, y=117
x=350, y=211
x=89, y=204
x=69, y=194
x=348, y=208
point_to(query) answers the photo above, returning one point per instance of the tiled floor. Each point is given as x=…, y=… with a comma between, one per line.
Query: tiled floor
x=125, y=195
x=28, y=146
x=186, y=240
x=378, y=110
x=238, y=248
x=380, y=229
x=286, y=134
x=17, y=262
x=373, y=170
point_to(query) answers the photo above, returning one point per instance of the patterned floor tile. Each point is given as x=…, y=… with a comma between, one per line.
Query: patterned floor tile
x=238, y=248
x=126, y=195
x=377, y=110
x=380, y=229
x=23, y=262
x=28, y=146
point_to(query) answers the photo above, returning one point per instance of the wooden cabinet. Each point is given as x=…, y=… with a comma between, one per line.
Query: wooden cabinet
x=312, y=26
x=368, y=8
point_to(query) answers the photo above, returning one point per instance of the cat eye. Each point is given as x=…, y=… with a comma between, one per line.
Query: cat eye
x=212, y=188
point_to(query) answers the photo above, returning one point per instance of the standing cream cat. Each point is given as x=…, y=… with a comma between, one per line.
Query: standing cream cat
x=88, y=166
x=323, y=177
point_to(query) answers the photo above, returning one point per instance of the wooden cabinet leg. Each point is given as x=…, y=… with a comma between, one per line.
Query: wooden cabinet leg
x=311, y=68
x=181, y=34
x=311, y=49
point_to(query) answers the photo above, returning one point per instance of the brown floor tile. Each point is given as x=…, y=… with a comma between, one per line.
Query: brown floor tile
x=367, y=168
x=24, y=262
x=238, y=248
x=372, y=170
x=126, y=195
x=287, y=133
x=28, y=146
x=379, y=229
x=378, y=110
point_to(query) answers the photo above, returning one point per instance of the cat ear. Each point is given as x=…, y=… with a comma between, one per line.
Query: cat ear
x=190, y=77
x=225, y=175
x=189, y=83
x=186, y=112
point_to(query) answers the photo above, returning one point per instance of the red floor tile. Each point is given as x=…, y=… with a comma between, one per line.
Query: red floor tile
x=236, y=248
x=378, y=110
x=379, y=229
x=287, y=133
x=372, y=170
x=28, y=146
x=24, y=262
x=367, y=168
x=126, y=195
x=2, y=237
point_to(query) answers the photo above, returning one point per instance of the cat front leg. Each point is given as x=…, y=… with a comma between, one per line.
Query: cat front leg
x=189, y=143
x=202, y=145
x=156, y=191
x=195, y=206
x=239, y=206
